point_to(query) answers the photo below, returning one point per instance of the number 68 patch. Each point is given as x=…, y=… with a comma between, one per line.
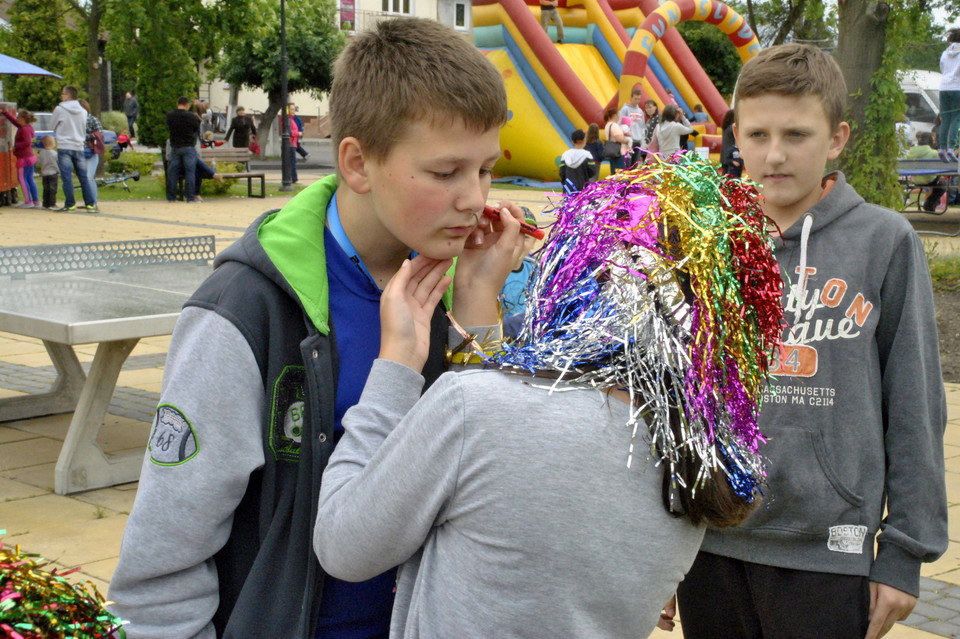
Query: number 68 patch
x=172, y=441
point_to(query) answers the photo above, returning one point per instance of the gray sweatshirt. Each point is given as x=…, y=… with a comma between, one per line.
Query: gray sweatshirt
x=69, y=125
x=511, y=509
x=856, y=414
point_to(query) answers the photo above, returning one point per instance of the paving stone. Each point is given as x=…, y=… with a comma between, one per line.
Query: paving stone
x=950, y=602
x=941, y=628
x=934, y=612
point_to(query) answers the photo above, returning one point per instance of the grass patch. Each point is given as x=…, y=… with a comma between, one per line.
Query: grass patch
x=944, y=267
x=153, y=187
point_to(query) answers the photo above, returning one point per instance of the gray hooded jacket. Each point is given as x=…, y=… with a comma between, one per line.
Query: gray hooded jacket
x=856, y=415
x=69, y=125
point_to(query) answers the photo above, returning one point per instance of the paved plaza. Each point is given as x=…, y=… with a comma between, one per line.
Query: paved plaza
x=85, y=529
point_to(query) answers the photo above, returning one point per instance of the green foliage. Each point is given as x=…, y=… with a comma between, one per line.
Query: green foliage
x=130, y=161
x=944, y=270
x=113, y=121
x=151, y=40
x=715, y=53
x=38, y=38
x=870, y=159
x=313, y=42
x=778, y=21
x=923, y=49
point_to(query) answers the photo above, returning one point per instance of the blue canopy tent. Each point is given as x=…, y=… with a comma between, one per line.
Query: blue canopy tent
x=12, y=66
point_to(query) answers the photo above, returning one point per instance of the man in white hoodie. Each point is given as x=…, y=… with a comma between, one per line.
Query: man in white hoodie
x=69, y=126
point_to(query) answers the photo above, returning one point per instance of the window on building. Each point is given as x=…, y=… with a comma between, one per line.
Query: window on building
x=397, y=6
x=460, y=17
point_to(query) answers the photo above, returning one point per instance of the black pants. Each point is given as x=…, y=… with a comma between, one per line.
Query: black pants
x=933, y=199
x=723, y=598
x=50, y=191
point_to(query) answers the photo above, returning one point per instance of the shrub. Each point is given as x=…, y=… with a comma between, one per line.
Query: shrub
x=114, y=121
x=212, y=187
x=130, y=161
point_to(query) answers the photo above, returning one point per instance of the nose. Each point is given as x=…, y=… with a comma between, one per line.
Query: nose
x=473, y=195
x=776, y=153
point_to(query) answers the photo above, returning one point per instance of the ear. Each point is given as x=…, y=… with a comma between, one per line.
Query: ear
x=838, y=140
x=736, y=133
x=353, y=165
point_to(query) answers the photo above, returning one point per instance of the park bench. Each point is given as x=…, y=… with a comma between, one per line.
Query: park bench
x=108, y=293
x=913, y=192
x=211, y=155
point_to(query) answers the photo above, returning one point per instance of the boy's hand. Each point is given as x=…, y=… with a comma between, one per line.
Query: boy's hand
x=487, y=259
x=887, y=606
x=667, y=615
x=406, y=310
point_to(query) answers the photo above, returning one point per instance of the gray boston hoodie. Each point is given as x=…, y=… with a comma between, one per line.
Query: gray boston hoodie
x=856, y=414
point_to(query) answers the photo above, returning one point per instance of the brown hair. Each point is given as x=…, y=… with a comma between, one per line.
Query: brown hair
x=707, y=499
x=71, y=91
x=609, y=113
x=953, y=35
x=410, y=70
x=795, y=69
x=728, y=119
x=670, y=113
x=593, y=133
x=26, y=116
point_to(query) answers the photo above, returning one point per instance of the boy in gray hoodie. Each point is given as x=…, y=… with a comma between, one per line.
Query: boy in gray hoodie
x=856, y=414
x=69, y=125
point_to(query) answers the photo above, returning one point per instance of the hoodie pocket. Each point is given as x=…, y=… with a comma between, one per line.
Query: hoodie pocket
x=805, y=493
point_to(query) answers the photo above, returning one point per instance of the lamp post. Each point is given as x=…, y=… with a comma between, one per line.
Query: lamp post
x=285, y=184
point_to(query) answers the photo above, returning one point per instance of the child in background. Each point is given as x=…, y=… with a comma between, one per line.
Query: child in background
x=632, y=116
x=671, y=130
x=26, y=158
x=49, y=171
x=276, y=345
x=208, y=142
x=593, y=144
x=576, y=164
x=855, y=414
x=730, y=160
x=921, y=151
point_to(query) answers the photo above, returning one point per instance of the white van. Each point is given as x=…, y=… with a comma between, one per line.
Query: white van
x=922, y=89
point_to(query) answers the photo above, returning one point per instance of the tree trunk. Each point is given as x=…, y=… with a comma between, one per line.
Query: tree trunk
x=267, y=119
x=863, y=25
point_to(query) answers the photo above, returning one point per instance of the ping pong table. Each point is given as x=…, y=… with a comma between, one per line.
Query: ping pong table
x=909, y=170
x=112, y=294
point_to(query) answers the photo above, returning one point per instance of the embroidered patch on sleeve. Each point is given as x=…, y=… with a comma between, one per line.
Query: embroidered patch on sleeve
x=847, y=539
x=172, y=441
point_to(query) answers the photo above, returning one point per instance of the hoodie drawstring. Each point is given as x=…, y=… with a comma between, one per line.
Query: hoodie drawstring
x=802, y=280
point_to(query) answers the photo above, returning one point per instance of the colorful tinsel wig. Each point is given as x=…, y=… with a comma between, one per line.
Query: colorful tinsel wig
x=36, y=603
x=661, y=281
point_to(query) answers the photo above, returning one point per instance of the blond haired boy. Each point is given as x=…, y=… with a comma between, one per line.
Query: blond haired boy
x=855, y=418
x=277, y=344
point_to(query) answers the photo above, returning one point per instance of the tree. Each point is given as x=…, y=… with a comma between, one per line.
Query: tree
x=715, y=53
x=150, y=39
x=313, y=43
x=37, y=37
x=870, y=52
x=89, y=14
x=776, y=22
